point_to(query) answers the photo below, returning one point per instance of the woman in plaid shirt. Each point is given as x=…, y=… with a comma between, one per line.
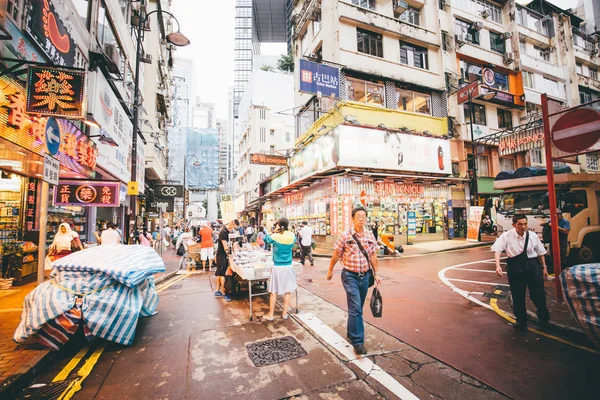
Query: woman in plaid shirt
x=355, y=275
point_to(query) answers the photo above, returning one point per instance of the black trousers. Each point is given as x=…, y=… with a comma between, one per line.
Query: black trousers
x=528, y=275
x=306, y=251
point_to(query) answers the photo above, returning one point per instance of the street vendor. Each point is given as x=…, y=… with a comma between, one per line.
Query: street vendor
x=283, y=275
x=64, y=243
x=223, y=258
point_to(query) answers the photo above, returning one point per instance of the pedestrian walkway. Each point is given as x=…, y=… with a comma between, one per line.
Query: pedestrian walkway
x=431, y=247
x=18, y=362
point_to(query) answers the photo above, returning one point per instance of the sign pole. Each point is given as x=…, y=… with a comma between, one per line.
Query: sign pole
x=43, y=226
x=552, y=199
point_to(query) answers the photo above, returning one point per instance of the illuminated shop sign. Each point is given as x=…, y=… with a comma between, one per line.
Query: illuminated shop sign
x=87, y=193
x=293, y=197
x=55, y=92
x=48, y=31
x=75, y=150
x=522, y=141
x=391, y=188
x=268, y=159
x=30, y=204
x=318, y=78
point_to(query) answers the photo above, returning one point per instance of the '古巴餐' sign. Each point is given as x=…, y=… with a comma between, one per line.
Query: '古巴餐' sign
x=521, y=141
x=87, y=193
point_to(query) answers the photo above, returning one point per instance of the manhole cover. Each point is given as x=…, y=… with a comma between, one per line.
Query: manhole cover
x=274, y=351
x=172, y=287
x=46, y=392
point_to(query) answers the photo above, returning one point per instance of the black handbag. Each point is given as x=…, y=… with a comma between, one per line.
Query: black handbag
x=364, y=252
x=376, y=303
x=180, y=250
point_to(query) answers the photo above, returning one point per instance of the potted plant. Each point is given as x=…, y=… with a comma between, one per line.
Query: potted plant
x=12, y=253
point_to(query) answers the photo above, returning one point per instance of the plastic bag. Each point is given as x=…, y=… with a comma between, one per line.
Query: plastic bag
x=180, y=250
x=376, y=303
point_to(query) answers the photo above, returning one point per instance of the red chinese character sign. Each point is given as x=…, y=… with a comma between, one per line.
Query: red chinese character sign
x=57, y=92
x=87, y=193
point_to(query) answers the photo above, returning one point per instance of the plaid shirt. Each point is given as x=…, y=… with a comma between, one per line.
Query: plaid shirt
x=351, y=256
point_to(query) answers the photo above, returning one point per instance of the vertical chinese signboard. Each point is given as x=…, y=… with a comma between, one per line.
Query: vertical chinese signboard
x=411, y=218
x=318, y=78
x=56, y=92
x=30, y=204
x=87, y=193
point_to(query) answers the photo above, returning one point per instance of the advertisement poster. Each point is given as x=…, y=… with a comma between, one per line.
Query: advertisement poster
x=393, y=151
x=228, y=211
x=475, y=213
x=411, y=217
x=320, y=155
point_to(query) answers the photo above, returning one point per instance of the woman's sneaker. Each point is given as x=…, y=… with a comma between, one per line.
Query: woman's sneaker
x=218, y=293
x=226, y=298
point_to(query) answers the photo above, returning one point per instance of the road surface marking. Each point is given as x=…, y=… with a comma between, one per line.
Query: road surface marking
x=171, y=283
x=83, y=373
x=64, y=374
x=479, y=283
x=494, y=304
x=364, y=363
x=476, y=270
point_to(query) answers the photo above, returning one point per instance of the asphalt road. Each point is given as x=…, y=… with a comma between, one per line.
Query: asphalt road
x=420, y=308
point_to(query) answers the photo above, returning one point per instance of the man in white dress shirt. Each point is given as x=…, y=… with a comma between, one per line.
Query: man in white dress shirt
x=524, y=269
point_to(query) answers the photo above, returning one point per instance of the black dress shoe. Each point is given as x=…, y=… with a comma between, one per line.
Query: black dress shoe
x=520, y=325
x=544, y=324
x=360, y=349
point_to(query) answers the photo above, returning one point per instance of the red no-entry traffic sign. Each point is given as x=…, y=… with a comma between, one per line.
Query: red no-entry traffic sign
x=577, y=130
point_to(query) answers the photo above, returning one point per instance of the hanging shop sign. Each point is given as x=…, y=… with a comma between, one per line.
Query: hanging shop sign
x=158, y=204
x=168, y=191
x=320, y=79
x=480, y=131
x=495, y=96
x=75, y=150
x=30, y=204
x=105, y=109
x=56, y=92
x=411, y=218
x=268, y=159
x=228, y=211
x=49, y=32
x=87, y=193
x=521, y=141
x=19, y=47
x=377, y=149
x=295, y=197
x=463, y=93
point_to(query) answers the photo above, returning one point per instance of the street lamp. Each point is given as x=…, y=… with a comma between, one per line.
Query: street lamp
x=176, y=39
x=196, y=163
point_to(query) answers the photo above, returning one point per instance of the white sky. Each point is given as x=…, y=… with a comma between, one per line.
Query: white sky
x=210, y=27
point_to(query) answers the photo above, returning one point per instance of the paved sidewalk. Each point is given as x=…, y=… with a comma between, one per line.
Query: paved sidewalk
x=19, y=362
x=437, y=246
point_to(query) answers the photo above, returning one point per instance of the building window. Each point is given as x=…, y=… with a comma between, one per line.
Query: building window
x=370, y=4
x=83, y=9
x=528, y=79
x=263, y=114
x=466, y=30
x=263, y=177
x=579, y=68
x=500, y=81
x=412, y=16
x=591, y=161
x=532, y=20
x=542, y=54
x=272, y=149
x=504, y=119
x=14, y=8
x=412, y=55
x=288, y=137
x=507, y=164
x=478, y=114
x=482, y=166
x=263, y=135
x=272, y=132
x=536, y=156
x=497, y=43
x=552, y=87
x=317, y=24
x=477, y=7
x=593, y=73
x=369, y=42
x=470, y=72
x=414, y=101
x=365, y=92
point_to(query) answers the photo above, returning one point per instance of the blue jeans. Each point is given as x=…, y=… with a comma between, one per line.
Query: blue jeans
x=356, y=288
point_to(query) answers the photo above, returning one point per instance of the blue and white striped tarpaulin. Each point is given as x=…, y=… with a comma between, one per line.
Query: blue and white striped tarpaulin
x=581, y=289
x=116, y=285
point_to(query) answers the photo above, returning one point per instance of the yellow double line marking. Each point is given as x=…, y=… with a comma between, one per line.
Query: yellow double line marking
x=91, y=361
x=494, y=304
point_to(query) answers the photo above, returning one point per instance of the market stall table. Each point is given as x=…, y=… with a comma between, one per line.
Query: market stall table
x=255, y=265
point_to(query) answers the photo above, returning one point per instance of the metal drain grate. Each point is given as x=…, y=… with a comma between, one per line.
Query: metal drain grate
x=47, y=392
x=174, y=287
x=274, y=351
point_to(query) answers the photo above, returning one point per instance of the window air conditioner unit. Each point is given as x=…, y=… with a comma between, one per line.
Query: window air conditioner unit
x=112, y=53
x=485, y=13
x=400, y=6
x=509, y=58
x=460, y=39
x=146, y=59
x=445, y=3
x=507, y=35
x=478, y=25
x=548, y=50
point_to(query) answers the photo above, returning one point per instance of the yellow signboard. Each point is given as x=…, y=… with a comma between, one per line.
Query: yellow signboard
x=133, y=188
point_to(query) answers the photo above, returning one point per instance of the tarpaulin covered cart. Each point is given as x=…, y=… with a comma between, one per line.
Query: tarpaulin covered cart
x=581, y=289
x=105, y=289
